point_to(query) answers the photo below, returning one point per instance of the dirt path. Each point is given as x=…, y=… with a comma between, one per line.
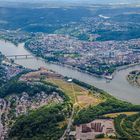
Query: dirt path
x=134, y=126
x=127, y=134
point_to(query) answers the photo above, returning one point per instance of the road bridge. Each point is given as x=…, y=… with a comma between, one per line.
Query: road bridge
x=23, y=56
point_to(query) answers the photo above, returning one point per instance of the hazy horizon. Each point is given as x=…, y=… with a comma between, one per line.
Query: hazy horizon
x=79, y=1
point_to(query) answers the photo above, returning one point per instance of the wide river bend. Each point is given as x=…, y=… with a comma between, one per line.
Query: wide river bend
x=118, y=87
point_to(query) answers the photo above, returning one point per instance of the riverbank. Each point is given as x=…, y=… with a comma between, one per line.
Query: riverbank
x=88, y=102
x=108, y=77
x=114, y=87
x=134, y=78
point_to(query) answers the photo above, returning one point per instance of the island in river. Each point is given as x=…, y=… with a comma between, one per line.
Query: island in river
x=134, y=78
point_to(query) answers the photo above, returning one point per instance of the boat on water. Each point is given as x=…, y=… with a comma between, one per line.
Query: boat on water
x=108, y=77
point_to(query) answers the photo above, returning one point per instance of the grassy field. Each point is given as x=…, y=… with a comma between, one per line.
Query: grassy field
x=80, y=96
x=114, y=115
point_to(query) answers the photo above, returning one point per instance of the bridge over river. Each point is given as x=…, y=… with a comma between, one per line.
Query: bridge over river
x=23, y=56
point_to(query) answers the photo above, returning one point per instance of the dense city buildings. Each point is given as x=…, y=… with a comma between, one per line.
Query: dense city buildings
x=100, y=58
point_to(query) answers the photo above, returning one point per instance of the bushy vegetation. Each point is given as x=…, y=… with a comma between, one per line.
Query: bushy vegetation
x=2, y=76
x=118, y=35
x=2, y=71
x=134, y=78
x=128, y=127
x=17, y=87
x=109, y=106
x=46, y=123
x=24, y=17
x=118, y=128
x=14, y=86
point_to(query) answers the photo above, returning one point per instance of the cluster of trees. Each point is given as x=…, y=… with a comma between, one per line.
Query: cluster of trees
x=107, y=35
x=128, y=127
x=103, y=68
x=15, y=38
x=132, y=31
x=46, y=123
x=1, y=57
x=14, y=86
x=2, y=71
x=17, y=87
x=133, y=78
x=2, y=76
x=56, y=17
x=118, y=127
x=111, y=105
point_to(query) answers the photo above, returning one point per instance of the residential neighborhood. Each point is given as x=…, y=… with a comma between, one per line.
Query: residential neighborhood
x=100, y=58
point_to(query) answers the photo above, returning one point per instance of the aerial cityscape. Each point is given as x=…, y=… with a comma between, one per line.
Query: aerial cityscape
x=69, y=70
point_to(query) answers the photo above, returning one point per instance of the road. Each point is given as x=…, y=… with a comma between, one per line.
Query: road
x=69, y=125
x=71, y=117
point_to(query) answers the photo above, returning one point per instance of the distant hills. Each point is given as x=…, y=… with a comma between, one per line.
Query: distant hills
x=66, y=3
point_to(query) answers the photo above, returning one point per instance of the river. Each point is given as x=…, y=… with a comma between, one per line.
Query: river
x=118, y=87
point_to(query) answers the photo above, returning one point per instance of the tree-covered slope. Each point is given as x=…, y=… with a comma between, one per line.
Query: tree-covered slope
x=46, y=123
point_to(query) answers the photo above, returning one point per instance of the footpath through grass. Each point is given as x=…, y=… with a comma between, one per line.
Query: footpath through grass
x=80, y=96
x=114, y=115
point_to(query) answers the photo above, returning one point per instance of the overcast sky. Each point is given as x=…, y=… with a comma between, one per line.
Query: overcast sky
x=93, y=1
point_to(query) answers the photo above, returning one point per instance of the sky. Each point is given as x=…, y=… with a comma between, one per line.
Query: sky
x=91, y=1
